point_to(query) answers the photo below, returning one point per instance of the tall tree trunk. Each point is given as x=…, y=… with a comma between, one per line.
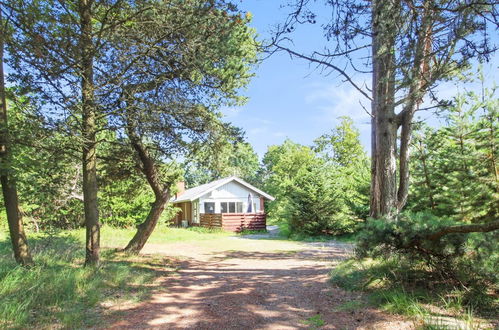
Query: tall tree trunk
x=426, y=173
x=9, y=190
x=419, y=82
x=384, y=125
x=161, y=193
x=405, y=142
x=386, y=199
x=89, y=135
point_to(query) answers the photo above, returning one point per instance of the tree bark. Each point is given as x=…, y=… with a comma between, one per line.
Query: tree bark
x=161, y=193
x=89, y=135
x=386, y=199
x=405, y=142
x=146, y=228
x=384, y=126
x=419, y=82
x=9, y=190
x=427, y=177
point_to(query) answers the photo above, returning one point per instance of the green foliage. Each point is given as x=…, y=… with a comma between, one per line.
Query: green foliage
x=455, y=168
x=237, y=159
x=404, y=257
x=57, y=293
x=45, y=166
x=123, y=206
x=315, y=321
x=321, y=190
x=400, y=286
x=343, y=152
x=342, y=146
x=317, y=206
x=402, y=234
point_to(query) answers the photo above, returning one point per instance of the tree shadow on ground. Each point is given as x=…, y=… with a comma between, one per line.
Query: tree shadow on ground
x=330, y=254
x=249, y=290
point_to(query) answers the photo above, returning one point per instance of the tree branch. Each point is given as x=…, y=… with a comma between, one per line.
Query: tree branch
x=330, y=65
x=464, y=229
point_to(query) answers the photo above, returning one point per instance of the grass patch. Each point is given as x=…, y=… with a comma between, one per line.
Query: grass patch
x=315, y=321
x=352, y=305
x=398, y=301
x=393, y=286
x=286, y=233
x=58, y=292
x=119, y=237
x=252, y=232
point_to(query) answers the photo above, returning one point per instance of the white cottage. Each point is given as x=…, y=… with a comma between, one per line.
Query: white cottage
x=230, y=203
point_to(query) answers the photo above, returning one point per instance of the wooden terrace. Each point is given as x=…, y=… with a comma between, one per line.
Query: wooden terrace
x=234, y=221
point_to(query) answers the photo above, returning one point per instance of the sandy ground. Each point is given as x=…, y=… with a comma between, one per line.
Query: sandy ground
x=252, y=283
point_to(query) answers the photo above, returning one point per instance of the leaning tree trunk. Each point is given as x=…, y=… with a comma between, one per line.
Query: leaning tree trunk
x=145, y=229
x=9, y=190
x=384, y=124
x=89, y=134
x=161, y=193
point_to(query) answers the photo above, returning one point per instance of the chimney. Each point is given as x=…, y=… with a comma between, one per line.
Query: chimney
x=180, y=188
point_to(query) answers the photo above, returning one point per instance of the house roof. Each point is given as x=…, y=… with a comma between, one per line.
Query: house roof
x=194, y=193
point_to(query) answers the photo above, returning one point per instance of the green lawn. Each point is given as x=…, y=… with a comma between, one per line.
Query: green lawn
x=59, y=292
x=119, y=237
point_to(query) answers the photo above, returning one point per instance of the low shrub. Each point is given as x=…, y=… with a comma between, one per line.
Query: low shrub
x=395, y=264
x=465, y=259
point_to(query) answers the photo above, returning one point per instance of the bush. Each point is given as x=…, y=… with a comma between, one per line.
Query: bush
x=454, y=261
x=404, y=235
x=318, y=206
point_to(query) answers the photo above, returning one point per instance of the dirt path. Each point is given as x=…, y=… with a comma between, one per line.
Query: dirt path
x=253, y=284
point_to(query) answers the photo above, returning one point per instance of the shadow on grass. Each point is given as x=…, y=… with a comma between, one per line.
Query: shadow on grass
x=59, y=291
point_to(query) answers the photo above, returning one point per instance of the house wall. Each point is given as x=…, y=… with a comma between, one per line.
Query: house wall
x=231, y=192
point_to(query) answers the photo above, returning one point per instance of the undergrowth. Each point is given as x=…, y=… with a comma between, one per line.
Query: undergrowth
x=252, y=232
x=397, y=286
x=286, y=233
x=59, y=293
x=443, y=282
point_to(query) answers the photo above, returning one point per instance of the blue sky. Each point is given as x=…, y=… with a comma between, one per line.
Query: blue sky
x=290, y=99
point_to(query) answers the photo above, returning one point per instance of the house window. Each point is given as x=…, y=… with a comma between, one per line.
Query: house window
x=209, y=207
x=231, y=207
x=224, y=207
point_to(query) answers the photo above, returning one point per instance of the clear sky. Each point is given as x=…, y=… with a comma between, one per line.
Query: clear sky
x=290, y=99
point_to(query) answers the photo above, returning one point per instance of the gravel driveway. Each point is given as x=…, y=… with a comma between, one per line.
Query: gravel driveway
x=253, y=283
